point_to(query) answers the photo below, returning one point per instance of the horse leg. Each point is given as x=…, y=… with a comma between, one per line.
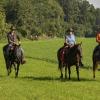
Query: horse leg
x=8, y=71
x=61, y=69
x=66, y=72
x=14, y=67
x=8, y=66
x=94, y=68
x=69, y=71
x=16, y=73
x=77, y=69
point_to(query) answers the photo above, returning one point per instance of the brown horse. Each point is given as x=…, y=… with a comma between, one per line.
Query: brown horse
x=72, y=56
x=96, y=58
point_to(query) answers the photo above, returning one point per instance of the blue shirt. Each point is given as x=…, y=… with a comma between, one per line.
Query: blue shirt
x=70, y=39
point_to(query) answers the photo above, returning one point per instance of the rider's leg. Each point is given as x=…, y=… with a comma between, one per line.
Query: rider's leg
x=9, y=48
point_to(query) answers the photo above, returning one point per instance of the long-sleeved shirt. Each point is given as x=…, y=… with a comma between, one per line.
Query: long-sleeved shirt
x=12, y=38
x=70, y=39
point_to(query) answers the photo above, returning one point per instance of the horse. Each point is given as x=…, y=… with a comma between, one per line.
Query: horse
x=72, y=56
x=96, y=58
x=12, y=58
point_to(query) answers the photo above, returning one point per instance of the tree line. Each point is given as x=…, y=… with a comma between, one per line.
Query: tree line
x=49, y=17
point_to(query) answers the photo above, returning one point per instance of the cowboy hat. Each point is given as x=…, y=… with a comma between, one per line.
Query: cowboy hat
x=70, y=30
x=13, y=28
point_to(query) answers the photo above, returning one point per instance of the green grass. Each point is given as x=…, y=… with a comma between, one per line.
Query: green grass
x=39, y=77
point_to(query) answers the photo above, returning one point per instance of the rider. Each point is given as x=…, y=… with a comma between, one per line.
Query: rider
x=13, y=39
x=70, y=38
x=70, y=41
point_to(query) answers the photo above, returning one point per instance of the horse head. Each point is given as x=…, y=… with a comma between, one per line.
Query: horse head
x=79, y=48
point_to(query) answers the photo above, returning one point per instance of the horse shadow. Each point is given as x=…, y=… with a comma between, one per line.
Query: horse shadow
x=48, y=78
x=45, y=78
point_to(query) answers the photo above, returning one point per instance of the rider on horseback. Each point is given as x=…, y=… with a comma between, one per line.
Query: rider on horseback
x=70, y=38
x=14, y=40
x=70, y=41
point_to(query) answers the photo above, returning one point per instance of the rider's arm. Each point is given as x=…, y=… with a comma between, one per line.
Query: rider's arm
x=19, y=42
x=74, y=40
x=18, y=38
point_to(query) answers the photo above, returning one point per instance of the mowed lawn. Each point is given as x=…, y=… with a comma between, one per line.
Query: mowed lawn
x=39, y=77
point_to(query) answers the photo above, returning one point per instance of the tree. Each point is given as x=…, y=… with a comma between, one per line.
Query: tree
x=2, y=22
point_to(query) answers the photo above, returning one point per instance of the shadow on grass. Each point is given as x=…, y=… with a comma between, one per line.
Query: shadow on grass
x=39, y=78
x=56, y=79
x=42, y=59
x=1, y=76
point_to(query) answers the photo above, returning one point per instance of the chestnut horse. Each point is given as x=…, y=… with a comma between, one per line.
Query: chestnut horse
x=69, y=56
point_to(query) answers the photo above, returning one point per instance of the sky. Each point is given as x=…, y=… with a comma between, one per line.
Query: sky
x=96, y=3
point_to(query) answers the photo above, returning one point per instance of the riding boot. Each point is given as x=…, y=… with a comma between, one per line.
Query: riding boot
x=23, y=61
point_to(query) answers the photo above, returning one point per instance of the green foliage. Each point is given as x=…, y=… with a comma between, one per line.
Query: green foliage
x=51, y=16
x=2, y=22
x=36, y=17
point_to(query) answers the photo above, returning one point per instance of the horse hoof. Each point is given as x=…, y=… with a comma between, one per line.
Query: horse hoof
x=8, y=74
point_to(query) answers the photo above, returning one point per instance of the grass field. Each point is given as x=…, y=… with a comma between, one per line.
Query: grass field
x=39, y=77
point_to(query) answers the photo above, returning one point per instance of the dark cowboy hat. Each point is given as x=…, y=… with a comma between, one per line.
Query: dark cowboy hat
x=13, y=28
x=70, y=30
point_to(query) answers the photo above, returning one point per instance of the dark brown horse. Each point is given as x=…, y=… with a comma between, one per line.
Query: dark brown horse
x=72, y=56
x=12, y=58
x=96, y=58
